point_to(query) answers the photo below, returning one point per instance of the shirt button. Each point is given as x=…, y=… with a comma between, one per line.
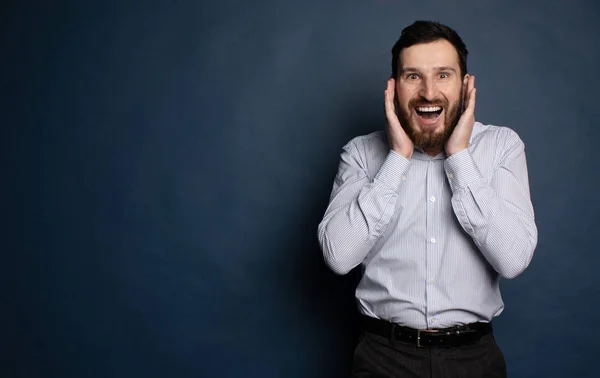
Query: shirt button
x=432, y=240
x=432, y=282
x=433, y=320
x=403, y=177
x=450, y=175
x=432, y=199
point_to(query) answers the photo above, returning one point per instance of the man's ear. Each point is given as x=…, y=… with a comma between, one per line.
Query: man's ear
x=463, y=92
x=465, y=84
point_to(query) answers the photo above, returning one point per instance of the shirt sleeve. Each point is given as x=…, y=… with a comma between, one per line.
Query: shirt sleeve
x=360, y=208
x=498, y=214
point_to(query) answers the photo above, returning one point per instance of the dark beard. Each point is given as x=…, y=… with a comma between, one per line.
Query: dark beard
x=430, y=139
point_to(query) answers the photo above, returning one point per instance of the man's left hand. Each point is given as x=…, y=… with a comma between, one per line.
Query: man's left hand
x=459, y=140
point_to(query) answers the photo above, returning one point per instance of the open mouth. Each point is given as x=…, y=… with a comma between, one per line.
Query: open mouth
x=430, y=113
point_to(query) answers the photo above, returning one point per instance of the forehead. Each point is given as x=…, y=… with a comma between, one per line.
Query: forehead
x=430, y=55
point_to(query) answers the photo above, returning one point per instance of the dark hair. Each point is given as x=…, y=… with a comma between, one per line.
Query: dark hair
x=425, y=32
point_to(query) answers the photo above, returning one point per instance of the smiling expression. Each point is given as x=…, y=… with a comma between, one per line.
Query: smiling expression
x=429, y=91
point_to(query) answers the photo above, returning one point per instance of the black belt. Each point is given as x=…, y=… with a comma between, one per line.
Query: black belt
x=447, y=337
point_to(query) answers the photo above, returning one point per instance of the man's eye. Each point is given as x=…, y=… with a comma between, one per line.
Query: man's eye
x=413, y=76
x=443, y=75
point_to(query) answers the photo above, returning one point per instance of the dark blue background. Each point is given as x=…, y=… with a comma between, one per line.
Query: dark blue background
x=165, y=166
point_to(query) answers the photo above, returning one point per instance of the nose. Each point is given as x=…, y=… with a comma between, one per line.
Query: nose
x=428, y=89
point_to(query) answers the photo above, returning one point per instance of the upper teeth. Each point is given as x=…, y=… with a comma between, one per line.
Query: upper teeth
x=430, y=109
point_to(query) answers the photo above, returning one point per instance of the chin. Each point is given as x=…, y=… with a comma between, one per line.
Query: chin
x=429, y=136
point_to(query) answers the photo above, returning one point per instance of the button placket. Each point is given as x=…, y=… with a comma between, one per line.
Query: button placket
x=429, y=204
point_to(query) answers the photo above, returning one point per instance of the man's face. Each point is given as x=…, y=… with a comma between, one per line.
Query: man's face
x=429, y=90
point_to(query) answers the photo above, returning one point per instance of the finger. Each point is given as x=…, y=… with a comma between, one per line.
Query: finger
x=471, y=82
x=471, y=92
x=468, y=83
x=471, y=105
x=470, y=86
x=389, y=96
x=390, y=89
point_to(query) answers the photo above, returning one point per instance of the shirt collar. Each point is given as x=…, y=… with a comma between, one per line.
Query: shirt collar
x=421, y=155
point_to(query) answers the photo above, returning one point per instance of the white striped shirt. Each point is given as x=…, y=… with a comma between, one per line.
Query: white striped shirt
x=434, y=235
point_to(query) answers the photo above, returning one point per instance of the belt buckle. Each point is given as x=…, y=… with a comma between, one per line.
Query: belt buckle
x=419, y=339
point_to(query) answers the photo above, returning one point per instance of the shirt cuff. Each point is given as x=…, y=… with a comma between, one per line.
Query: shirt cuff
x=394, y=170
x=462, y=170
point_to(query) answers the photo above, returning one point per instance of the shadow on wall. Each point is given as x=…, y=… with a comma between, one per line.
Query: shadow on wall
x=326, y=299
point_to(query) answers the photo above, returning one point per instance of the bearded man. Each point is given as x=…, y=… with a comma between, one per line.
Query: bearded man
x=436, y=210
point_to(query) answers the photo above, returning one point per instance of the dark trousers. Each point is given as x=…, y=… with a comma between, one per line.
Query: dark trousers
x=377, y=356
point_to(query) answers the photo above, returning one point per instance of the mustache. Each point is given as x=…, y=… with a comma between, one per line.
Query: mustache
x=423, y=102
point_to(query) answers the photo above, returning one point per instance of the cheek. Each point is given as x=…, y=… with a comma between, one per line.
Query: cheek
x=449, y=98
x=404, y=96
x=454, y=93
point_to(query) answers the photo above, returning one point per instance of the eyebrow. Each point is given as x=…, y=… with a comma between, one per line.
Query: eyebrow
x=438, y=69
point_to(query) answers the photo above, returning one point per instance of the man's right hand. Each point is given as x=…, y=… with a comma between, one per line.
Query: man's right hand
x=399, y=141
